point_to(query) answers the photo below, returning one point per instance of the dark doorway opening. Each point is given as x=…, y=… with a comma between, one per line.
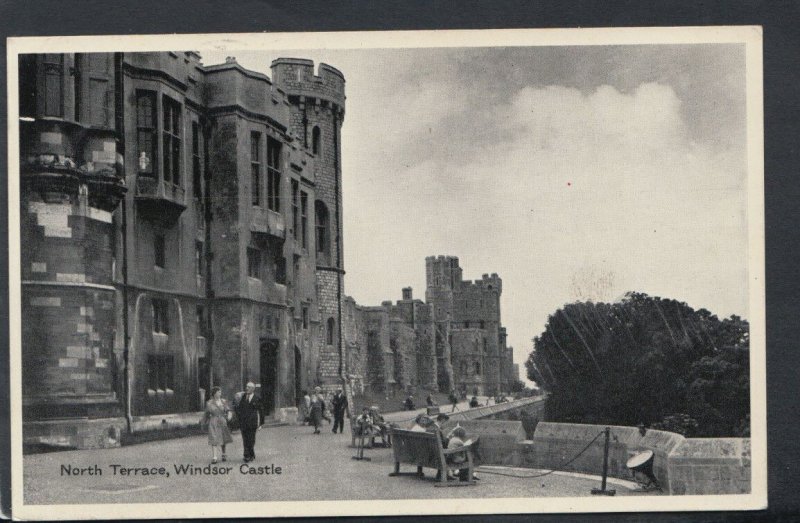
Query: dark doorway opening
x=269, y=374
x=298, y=377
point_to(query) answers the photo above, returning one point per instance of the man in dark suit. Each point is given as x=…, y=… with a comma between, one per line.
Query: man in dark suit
x=249, y=413
x=339, y=409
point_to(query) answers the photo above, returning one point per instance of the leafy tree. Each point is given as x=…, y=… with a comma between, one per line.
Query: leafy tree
x=645, y=360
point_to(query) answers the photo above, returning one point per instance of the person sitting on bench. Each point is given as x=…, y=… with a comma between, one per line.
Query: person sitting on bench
x=456, y=438
x=421, y=423
x=436, y=428
x=379, y=425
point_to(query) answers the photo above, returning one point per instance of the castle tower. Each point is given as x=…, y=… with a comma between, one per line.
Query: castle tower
x=317, y=103
x=70, y=186
x=442, y=275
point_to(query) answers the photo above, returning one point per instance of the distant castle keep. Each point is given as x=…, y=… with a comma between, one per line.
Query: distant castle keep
x=181, y=227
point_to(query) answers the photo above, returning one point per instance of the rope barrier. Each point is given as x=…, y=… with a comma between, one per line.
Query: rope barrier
x=557, y=469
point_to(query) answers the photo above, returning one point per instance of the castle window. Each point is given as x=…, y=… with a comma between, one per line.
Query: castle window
x=275, y=254
x=253, y=263
x=483, y=324
x=198, y=257
x=303, y=219
x=295, y=208
x=316, y=139
x=305, y=317
x=201, y=321
x=172, y=141
x=484, y=345
x=329, y=331
x=273, y=174
x=160, y=316
x=53, y=65
x=463, y=368
x=321, y=212
x=159, y=248
x=477, y=368
x=197, y=184
x=160, y=372
x=255, y=168
x=146, y=131
x=466, y=325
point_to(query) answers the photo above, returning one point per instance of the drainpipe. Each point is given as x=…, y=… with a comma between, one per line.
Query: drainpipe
x=340, y=272
x=207, y=215
x=119, y=120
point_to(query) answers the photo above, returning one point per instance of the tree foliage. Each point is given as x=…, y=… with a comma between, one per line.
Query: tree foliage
x=645, y=360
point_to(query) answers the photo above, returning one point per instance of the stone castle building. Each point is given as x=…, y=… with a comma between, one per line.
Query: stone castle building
x=181, y=227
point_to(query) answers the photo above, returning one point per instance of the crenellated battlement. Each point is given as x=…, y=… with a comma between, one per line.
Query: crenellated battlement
x=296, y=77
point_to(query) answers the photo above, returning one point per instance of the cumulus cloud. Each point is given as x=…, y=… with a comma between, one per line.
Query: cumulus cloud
x=603, y=182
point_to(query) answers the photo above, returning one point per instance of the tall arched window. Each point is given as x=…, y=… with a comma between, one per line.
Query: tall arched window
x=323, y=238
x=316, y=139
x=477, y=368
x=329, y=331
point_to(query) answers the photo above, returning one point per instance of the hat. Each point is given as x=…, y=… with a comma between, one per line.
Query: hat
x=442, y=416
x=424, y=421
x=374, y=407
x=317, y=388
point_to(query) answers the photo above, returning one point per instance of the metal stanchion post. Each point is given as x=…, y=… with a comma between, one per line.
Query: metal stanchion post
x=602, y=489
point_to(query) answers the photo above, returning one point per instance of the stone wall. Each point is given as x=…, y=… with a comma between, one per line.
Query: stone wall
x=681, y=465
x=402, y=341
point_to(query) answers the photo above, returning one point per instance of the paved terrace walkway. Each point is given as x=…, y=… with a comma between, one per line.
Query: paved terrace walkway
x=313, y=467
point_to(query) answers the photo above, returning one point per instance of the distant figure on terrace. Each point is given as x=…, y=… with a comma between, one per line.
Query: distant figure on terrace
x=429, y=401
x=364, y=424
x=305, y=408
x=216, y=416
x=340, y=407
x=317, y=409
x=408, y=404
x=326, y=412
x=474, y=402
x=453, y=399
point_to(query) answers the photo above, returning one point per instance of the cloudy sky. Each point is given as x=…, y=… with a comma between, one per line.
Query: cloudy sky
x=572, y=172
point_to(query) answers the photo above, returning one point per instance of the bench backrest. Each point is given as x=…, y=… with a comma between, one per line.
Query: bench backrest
x=418, y=448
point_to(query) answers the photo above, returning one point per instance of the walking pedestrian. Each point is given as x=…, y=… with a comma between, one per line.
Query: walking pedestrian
x=249, y=413
x=317, y=408
x=340, y=406
x=216, y=416
x=306, y=408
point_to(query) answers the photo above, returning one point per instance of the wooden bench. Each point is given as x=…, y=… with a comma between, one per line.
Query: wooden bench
x=424, y=449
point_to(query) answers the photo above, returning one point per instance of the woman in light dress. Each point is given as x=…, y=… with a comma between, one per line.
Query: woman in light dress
x=216, y=416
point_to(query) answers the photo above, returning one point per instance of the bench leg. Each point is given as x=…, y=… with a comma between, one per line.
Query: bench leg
x=396, y=469
x=419, y=472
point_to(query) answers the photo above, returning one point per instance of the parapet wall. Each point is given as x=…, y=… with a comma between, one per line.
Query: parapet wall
x=681, y=465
